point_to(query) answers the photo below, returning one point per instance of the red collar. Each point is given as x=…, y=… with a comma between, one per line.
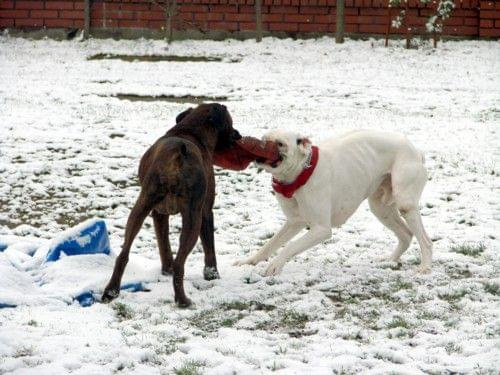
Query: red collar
x=287, y=190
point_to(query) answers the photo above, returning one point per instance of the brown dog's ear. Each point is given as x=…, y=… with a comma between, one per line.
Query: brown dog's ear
x=181, y=115
x=218, y=115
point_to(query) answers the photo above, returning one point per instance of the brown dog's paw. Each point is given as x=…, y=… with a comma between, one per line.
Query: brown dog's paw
x=109, y=295
x=184, y=303
x=210, y=273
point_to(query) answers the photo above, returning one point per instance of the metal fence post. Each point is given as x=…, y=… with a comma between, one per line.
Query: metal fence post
x=86, y=26
x=339, y=29
x=258, y=20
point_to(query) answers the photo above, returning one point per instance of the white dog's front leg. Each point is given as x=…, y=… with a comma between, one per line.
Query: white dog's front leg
x=314, y=236
x=285, y=234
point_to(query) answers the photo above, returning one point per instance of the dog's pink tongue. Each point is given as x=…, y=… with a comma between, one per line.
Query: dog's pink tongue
x=244, y=151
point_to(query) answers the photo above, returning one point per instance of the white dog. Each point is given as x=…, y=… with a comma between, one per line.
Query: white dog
x=321, y=187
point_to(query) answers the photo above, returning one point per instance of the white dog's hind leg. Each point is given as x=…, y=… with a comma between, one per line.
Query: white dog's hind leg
x=389, y=216
x=414, y=221
x=285, y=234
x=408, y=181
x=314, y=236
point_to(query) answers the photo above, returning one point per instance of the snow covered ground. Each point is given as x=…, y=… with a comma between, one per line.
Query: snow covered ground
x=69, y=151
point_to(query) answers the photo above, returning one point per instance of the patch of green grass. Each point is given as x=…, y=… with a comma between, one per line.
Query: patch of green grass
x=397, y=322
x=246, y=305
x=293, y=319
x=212, y=320
x=452, y=347
x=402, y=284
x=122, y=311
x=169, y=345
x=189, y=368
x=33, y=323
x=452, y=296
x=472, y=250
x=492, y=288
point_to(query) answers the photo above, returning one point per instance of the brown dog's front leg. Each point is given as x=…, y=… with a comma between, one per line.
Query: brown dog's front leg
x=139, y=212
x=162, y=231
x=207, y=240
x=191, y=223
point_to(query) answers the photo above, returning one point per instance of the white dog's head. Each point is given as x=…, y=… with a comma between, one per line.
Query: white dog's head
x=294, y=149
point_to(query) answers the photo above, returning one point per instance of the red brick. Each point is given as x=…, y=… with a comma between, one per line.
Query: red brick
x=229, y=26
x=75, y=14
x=364, y=20
x=150, y=15
x=193, y=8
x=134, y=23
x=224, y=8
x=486, y=23
x=471, y=21
x=313, y=10
x=351, y=28
x=350, y=11
x=290, y=27
x=28, y=22
x=58, y=22
x=454, y=21
x=135, y=7
x=487, y=4
x=459, y=30
x=246, y=9
x=157, y=24
x=373, y=12
x=298, y=18
x=59, y=5
x=14, y=14
x=29, y=5
x=245, y=26
x=313, y=27
x=462, y=13
x=120, y=15
x=272, y=17
x=6, y=22
x=79, y=6
x=489, y=33
x=324, y=18
x=79, y=23
x=239, y=17
x=372, y=29
x=208, y=16
x=4, y=4
x=490, y=14
x=284, y=10
x=43, y=13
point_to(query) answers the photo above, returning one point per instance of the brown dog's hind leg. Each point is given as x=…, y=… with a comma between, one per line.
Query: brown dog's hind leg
x=136, y=217
x=191, y=224
x=207, y=240
x=162, y=230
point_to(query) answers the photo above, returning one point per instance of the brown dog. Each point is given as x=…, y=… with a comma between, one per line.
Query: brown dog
x=176, y=176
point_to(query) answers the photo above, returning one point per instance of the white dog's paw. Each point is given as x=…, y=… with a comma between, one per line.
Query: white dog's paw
x=423, y=270
x=389, y=258
x=274, y=267
x=251, y=260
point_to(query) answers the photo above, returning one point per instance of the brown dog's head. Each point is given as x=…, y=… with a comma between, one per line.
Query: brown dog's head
x=217, y=117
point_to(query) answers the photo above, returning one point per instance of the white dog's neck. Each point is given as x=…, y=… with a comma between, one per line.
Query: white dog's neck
x=295, y=168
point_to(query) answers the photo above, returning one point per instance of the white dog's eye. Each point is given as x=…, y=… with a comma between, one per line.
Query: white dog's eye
x=280, y=144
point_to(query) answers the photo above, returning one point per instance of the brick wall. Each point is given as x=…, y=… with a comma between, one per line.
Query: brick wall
x=471, y=18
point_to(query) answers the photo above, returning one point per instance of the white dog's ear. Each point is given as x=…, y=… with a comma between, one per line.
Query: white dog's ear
x=304, y=145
